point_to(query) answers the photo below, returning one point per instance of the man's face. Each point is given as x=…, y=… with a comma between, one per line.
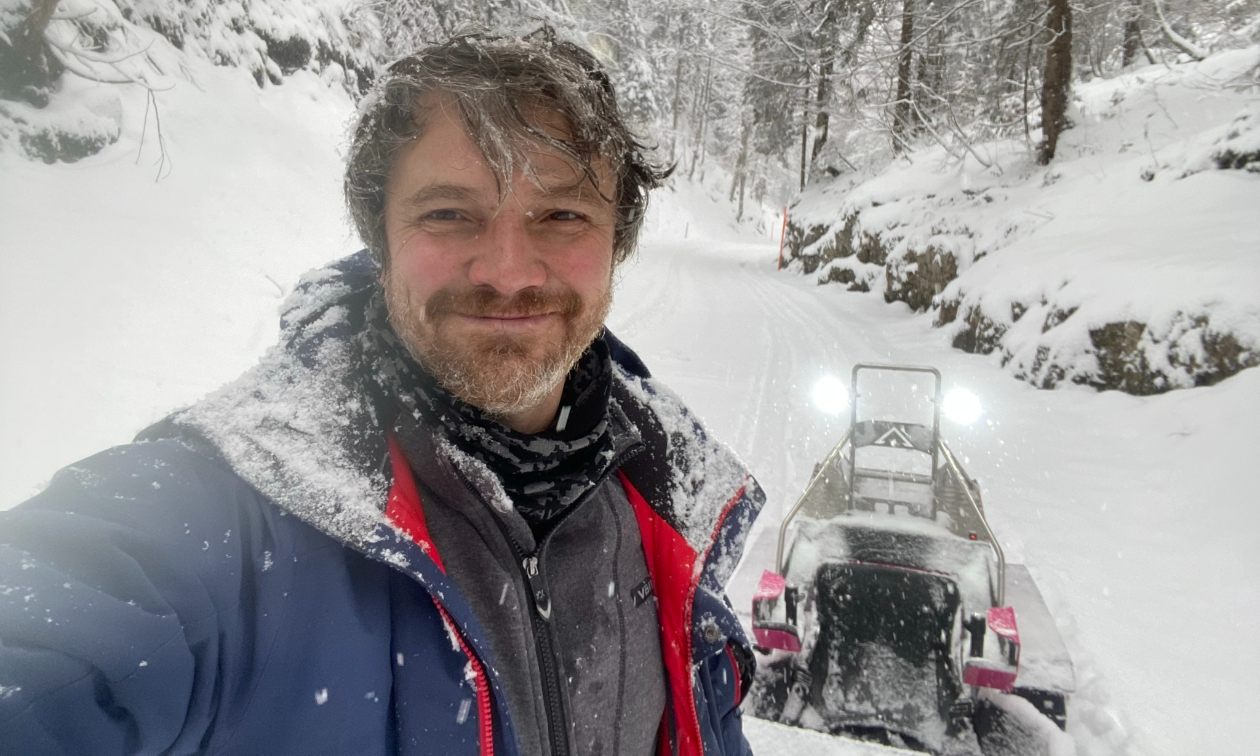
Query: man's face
x=497, y=296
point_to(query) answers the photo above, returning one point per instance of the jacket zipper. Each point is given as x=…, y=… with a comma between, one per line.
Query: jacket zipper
x=540, y=605
x=481, y=685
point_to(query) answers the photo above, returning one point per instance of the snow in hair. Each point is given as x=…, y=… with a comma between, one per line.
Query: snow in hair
x=497, y=83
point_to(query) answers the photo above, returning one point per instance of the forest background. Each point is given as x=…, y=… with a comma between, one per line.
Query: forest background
x=1107, y=148
x=779, y=93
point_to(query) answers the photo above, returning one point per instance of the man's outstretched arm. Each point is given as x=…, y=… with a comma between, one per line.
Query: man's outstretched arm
x=109, y=632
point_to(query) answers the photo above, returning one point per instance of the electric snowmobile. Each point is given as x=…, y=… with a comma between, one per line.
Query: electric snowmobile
x=892, y=614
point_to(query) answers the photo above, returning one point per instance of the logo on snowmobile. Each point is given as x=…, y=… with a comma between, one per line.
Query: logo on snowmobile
x=894, y=438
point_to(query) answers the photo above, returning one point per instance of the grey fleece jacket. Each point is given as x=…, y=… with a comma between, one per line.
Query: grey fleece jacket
x=580, y=619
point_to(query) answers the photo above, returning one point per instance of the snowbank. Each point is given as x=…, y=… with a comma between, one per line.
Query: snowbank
x=1131, y=262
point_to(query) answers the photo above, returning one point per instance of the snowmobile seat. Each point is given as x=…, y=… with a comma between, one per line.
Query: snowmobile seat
x=884, y=655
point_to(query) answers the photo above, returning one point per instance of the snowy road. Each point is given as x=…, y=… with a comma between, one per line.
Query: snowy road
x=1137, y=516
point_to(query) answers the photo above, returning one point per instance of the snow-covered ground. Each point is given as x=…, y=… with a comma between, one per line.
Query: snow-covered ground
x=123, y=297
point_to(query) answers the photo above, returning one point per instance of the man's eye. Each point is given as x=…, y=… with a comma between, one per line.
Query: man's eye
x=566, y=215
x=442, y=215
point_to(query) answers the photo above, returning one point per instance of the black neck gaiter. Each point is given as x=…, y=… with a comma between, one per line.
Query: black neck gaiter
x=544, y=473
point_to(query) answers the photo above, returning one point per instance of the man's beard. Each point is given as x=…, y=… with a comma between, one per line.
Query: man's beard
x=500, y=373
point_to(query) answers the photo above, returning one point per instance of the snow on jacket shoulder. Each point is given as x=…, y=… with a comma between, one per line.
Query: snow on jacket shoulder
x=241, y=589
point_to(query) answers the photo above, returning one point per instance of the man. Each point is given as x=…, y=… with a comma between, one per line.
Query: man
x=448, y=514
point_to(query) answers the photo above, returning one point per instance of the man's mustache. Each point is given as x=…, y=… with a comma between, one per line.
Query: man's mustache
x=485, y=302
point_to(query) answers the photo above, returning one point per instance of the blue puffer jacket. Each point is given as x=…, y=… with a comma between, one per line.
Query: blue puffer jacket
x=240, y=584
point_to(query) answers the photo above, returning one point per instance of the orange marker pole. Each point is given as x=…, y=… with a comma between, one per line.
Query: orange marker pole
x=782, y=236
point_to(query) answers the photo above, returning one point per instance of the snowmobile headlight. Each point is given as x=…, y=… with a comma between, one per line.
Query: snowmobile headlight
x=830, y=395
x=962, y=406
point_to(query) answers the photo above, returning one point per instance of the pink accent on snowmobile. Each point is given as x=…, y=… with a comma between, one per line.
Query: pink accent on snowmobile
x=987, y=677
x=1001, y=620
x=780, y=639
x=770, y=634
x=771, y=586
x=1000, y=676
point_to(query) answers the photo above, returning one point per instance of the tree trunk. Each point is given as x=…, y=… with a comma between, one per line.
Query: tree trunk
x=702, y=128
x=902, y=110
x=804, y=143
x=1132, y=32
x=1027, y=68
x=741, y=168
x=23, y=64
x=30, y=35
x=927, y=93
x=1058, y=81
x=678, y=93
x=822, y=101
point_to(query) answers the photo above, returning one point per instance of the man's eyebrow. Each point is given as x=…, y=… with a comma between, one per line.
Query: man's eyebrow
x=435, y=192
x=578, y=191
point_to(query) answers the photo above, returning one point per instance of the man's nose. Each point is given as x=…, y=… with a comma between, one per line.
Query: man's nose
x=508, y=258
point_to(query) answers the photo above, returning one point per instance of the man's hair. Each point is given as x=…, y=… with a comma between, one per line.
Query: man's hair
x=497, y=82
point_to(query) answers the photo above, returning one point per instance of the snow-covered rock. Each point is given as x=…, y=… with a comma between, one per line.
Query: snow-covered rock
x=1132, y=262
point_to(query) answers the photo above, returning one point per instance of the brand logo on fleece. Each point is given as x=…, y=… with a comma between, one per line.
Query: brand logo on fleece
x=642, y=592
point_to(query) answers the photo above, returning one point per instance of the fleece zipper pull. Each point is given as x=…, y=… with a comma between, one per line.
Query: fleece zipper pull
x=542, y=601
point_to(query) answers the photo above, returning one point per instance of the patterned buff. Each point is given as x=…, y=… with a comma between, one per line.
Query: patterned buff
x=544, y=473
